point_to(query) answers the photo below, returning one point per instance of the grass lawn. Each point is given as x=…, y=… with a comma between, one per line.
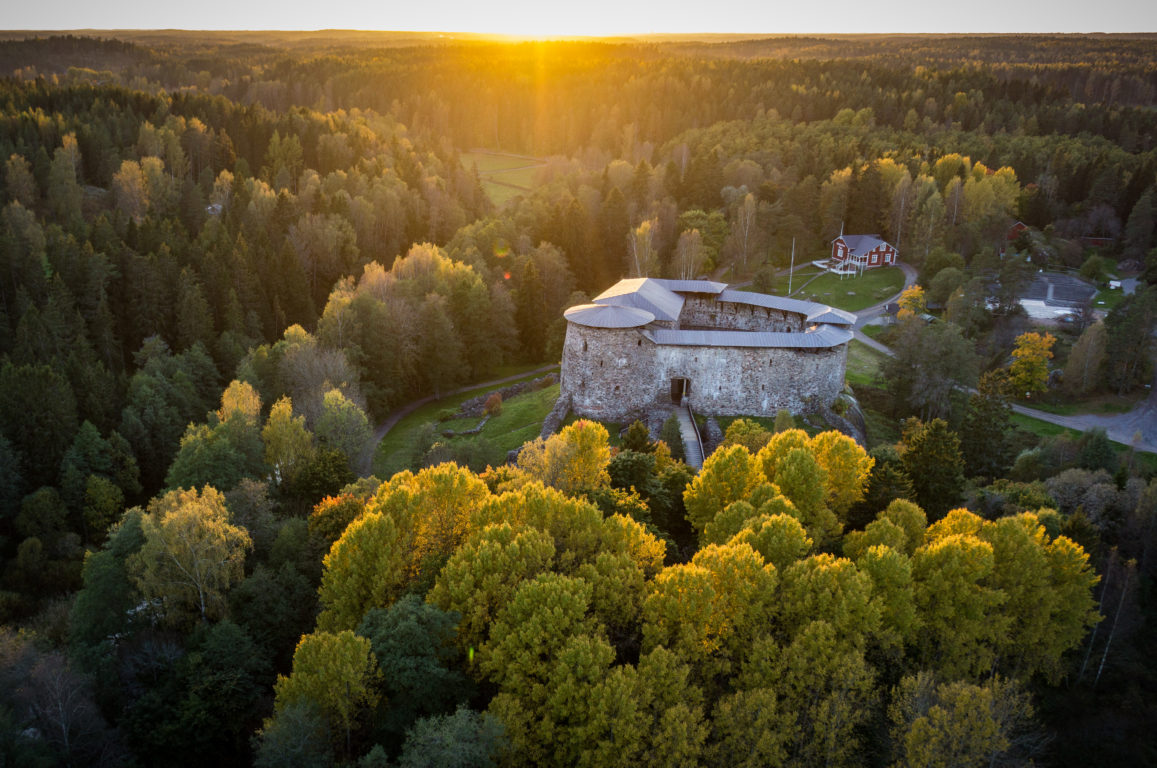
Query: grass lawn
x=520, y=420
x=1040, y=428
x=780, y=284
x=863, y=363
x=1101, y=404
x=503, y=176
x=855, y=293
x=882, y=429
x=1108, y=299
x=875, y=331
x=489, y=163
x=396, y=449
x=519, y=177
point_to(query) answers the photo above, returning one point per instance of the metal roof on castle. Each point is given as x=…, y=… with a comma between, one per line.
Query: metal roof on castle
x=691, y=286
x=644, y=293
x=815, y=313
x=608, y=316
x=824, y=337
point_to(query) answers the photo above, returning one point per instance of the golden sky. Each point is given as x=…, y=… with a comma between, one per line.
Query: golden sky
x=593, y=17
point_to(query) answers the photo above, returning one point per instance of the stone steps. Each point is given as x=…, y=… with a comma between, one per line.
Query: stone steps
x=692, y=450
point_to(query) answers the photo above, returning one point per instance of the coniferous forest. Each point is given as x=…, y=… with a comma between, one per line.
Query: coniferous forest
x=227, y=258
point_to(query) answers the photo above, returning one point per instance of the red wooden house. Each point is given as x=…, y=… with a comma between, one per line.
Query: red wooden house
x=855, y=253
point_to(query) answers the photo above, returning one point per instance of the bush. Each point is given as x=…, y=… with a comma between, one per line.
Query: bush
x=638, y=438
x=493, y=405
x=671, y=436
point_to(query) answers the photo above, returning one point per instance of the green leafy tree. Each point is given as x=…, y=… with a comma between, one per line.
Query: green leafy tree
x=298, y=736
x=984, y=436
x=956, y=723
x=931, y=362
x=482, y=576
x=960, y=624
x=288, y=444
x=335, y=672
x=420, y=665
x=530, y=313
x=464, y=739
x=931, y=455
x=728, y=475
x=38, y=414
x=746, y=433
x=638, y=438
x=365, y=569
x=574, y=459
x=192, y=555
x=1083, y=369
x=343, y=426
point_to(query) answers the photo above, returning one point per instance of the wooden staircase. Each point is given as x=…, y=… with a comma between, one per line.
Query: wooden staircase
x=692, y=442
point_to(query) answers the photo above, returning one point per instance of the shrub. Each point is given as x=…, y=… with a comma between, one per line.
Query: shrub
x=493, y=405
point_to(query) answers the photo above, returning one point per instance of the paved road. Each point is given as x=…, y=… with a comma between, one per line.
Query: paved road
x=1121, y=428
x=396, y=415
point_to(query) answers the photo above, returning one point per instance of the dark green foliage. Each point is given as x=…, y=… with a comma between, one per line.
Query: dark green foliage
x=531, y=314
x=931, y=362
x=297, y=738
x=38, y=414
x=275, y=606
x=889, y=480
x=167, y=393
x=931, y=455
x=325, y=475
x=1008, y=497
x=227, y=676
x=638, y=438
x=631, y=469
x=414, y=644
x=1096, y=452
x=11, y=481
x=101, y=609
x=465, y=739
x=201, y=702
x=984, y=437
x=671, y=435
x=1129, y=326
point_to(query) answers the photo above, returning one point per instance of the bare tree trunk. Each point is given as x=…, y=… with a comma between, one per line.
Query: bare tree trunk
x=1113, y=631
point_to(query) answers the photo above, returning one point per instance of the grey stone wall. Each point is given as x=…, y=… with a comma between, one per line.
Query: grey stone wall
x=613, y=374
x=729, y=381
x=706, y=312
x=607, y=373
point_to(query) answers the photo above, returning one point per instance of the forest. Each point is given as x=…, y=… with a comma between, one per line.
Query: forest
x=227, y=258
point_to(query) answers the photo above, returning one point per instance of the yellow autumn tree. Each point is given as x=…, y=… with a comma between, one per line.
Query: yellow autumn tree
x=912, y=302
x=574, y=459
x=1030, y=370
x=192, y=554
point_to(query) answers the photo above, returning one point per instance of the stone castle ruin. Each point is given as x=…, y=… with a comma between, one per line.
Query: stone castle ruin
x=647, y=343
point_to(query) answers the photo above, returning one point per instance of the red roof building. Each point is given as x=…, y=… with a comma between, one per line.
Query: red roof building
x=855, y=253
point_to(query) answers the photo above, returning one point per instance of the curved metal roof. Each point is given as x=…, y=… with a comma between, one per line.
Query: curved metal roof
x=824, y=337
x=644, y=293
x=608, y=316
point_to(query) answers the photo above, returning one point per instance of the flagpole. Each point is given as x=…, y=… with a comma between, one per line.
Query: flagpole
x=791, y=269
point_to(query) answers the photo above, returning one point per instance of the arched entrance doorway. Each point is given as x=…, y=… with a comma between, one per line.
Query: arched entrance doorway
x=680, y=388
